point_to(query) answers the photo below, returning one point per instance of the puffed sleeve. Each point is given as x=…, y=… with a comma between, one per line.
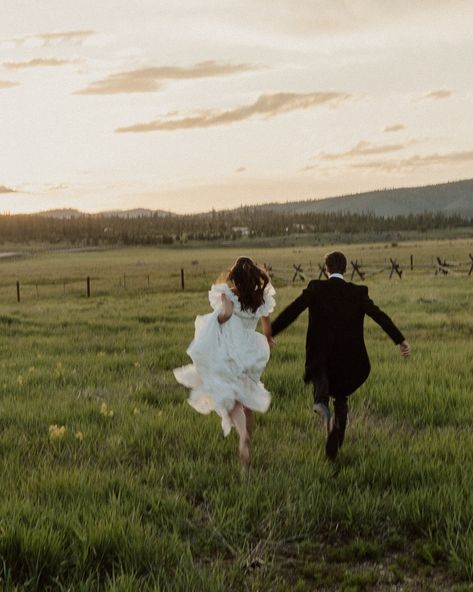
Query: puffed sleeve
x=269, y=301
x=215, y=295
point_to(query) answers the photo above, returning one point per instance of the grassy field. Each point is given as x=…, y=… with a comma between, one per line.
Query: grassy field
x=63, y=272
x=139, y=492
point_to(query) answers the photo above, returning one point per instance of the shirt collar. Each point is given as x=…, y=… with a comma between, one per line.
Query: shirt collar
x=336, y=275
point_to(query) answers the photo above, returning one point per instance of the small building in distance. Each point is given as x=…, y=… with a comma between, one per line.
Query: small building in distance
x=241, y=230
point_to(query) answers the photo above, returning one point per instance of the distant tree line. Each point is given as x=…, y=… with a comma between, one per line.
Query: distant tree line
x=223, y=225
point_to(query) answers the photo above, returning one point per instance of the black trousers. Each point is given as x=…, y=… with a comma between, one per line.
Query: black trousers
x=340, y=404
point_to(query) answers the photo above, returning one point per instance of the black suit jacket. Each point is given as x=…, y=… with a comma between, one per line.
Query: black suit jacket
x=335, y=345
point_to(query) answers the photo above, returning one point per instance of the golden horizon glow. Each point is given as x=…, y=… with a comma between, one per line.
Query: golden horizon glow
x=119, y=106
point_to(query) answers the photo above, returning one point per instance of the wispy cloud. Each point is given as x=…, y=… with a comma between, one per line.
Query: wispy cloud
x=7, y=84
x=57, y=187
x=4, y=189
x=397, y=127
x=49, y=39
x=37, y=63
x=152, y=79
x=442, y=93
x=266, y=106
x=337, y=17
x=240, y=170
x=363, y=148
x=66, y=36
x=416, y=161
x=309, y=167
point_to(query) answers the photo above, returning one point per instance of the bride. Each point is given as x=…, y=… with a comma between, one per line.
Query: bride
x=229, y=355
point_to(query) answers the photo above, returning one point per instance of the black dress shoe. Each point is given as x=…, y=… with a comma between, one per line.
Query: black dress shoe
x=332, y=444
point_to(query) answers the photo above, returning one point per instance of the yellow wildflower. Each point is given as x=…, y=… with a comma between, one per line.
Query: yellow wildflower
x=136, y=411
x=56, y=432
x=105, y=411
x=79, y=436
x=19, y=380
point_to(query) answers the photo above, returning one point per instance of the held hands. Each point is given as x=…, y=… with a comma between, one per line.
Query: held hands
x=271, y=341
x=405, y=349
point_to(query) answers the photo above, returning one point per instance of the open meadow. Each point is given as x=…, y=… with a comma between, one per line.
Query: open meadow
x=110, y=481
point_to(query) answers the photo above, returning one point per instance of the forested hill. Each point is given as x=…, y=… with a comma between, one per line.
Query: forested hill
x=447, y=198
x=426, y=208
x=450, y=199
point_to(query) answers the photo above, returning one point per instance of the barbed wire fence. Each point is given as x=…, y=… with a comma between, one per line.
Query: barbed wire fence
x=196, y=279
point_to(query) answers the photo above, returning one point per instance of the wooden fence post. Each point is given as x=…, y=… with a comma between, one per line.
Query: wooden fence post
x=88, y=287
x=442, y=266
x=298, y=273
x=182, y=278
x=18, y=298
x=323, y=272
x=412, y=262
x=395, y=268
x=357, y=269
x=471, y=268
x=148, y=280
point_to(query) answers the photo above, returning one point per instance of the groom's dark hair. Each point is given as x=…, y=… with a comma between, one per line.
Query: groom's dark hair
x=336, y=262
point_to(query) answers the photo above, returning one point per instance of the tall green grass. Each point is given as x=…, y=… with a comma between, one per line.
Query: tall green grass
x=142, y=493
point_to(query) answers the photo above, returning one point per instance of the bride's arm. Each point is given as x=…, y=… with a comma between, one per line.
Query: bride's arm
x=266, y=326
x=226, y=310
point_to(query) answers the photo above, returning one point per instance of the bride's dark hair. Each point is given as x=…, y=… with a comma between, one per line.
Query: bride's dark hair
x=249, y=281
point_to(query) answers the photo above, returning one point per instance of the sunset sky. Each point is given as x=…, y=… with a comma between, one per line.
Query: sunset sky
x=188, y=105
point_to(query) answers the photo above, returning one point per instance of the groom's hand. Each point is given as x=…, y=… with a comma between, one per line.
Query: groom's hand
x=405, y=349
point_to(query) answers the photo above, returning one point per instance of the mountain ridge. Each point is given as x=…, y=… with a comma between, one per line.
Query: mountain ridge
x=453, y=197
x=69, y=213
x=450, y=198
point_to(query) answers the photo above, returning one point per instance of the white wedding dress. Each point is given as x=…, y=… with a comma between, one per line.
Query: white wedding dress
x=228, y=358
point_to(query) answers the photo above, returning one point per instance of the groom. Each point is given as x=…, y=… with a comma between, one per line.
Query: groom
x=337, y=362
